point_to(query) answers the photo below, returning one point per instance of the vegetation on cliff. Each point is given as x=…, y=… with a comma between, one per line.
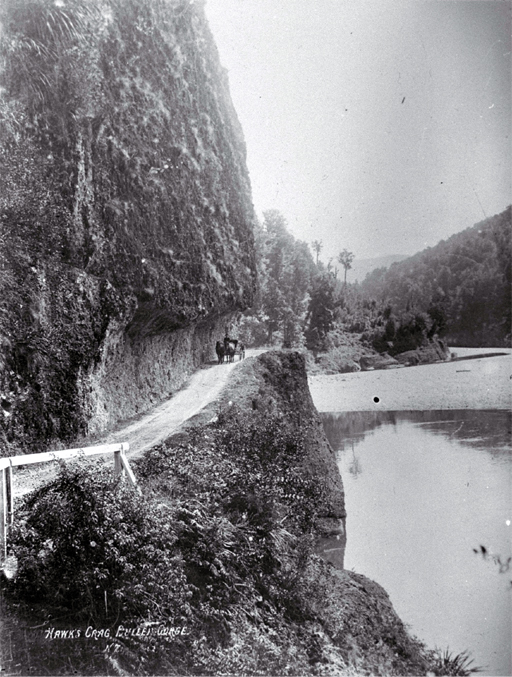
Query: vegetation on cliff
x=125, y=205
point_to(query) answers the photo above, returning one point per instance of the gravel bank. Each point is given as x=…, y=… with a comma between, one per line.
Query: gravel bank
x=484, y=383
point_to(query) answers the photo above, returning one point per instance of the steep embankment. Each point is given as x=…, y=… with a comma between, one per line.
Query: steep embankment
x=220, y=545
x=126, y=239
x=276, y=384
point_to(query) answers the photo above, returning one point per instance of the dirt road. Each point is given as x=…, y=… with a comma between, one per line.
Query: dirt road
x=150, y=428
x=154, y=427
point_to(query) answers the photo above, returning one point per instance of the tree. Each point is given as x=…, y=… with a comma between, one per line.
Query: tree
x=285, y=272
x=346, y=258
x=322, y=306
x=317, y=247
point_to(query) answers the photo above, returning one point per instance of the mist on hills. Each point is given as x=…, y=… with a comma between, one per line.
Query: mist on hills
x=362, y=267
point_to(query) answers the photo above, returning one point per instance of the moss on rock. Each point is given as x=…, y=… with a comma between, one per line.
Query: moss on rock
x=126, y=211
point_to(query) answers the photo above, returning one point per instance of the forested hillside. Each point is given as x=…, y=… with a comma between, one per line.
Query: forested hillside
x=464, y=282
x=458, y=290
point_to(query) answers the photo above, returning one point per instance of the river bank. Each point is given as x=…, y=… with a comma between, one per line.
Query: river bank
x=483, y=383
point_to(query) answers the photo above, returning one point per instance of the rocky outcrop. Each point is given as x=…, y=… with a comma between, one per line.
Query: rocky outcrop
x=126, y=229
x=336, y=362
x=435, y=351
x=383, y=361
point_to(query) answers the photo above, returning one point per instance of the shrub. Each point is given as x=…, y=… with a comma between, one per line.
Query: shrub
x=242, y=456
x=91, y=544
x=446, y=662
x=338, y=361
x=409, y=332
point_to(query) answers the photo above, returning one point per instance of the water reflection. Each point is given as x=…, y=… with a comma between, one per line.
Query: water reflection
x=424, y=490
x=489, y=429
x=355, y=468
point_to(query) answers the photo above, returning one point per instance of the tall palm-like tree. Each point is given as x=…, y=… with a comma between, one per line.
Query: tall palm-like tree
x=317, y=247
x=346, y=258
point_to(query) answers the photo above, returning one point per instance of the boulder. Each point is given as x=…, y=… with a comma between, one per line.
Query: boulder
x=383, y=361
x=435, y=351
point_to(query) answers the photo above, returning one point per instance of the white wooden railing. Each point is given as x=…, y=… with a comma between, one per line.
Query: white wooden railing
x=121, y=465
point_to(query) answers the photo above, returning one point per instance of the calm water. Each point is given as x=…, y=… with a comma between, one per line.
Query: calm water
x=423, y=489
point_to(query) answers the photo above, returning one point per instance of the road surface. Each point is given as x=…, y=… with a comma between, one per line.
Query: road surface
x=150, y=428
x=154, y=427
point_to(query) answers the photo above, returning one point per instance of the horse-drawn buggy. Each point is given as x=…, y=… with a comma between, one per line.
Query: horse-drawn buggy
x=227, y=349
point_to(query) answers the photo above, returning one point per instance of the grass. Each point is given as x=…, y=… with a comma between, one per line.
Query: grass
x=448, y=663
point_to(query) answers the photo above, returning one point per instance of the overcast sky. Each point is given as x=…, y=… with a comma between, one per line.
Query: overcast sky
x=380, y=126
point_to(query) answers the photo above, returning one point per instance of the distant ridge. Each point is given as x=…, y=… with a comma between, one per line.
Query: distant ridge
x=466, y=280
x=361, y=267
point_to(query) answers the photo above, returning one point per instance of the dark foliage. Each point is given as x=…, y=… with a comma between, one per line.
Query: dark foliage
x=324, y=300
x=406, y=332
x=225, y=531
x=286, y=270
x=463, y=283
x=86, y=542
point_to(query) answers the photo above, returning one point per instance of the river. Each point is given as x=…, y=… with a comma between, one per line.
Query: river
x=425, y=489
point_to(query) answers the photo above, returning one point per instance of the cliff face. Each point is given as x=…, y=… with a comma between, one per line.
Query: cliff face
x=126, y=230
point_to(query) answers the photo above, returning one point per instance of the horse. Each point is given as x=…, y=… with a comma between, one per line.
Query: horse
x=241, y=351
x=230, y=349
x=228, y=340
x=221, y=351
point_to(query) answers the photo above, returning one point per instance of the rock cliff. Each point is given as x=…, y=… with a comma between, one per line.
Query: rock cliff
x=126, y=225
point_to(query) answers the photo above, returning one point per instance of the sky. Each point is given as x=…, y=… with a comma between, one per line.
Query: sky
x=379, y=126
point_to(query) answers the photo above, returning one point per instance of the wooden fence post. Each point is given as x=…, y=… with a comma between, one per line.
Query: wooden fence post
x=3, y=514
x=10, y=495
x=129, y=472
x=118, y=467
x=121, y=465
